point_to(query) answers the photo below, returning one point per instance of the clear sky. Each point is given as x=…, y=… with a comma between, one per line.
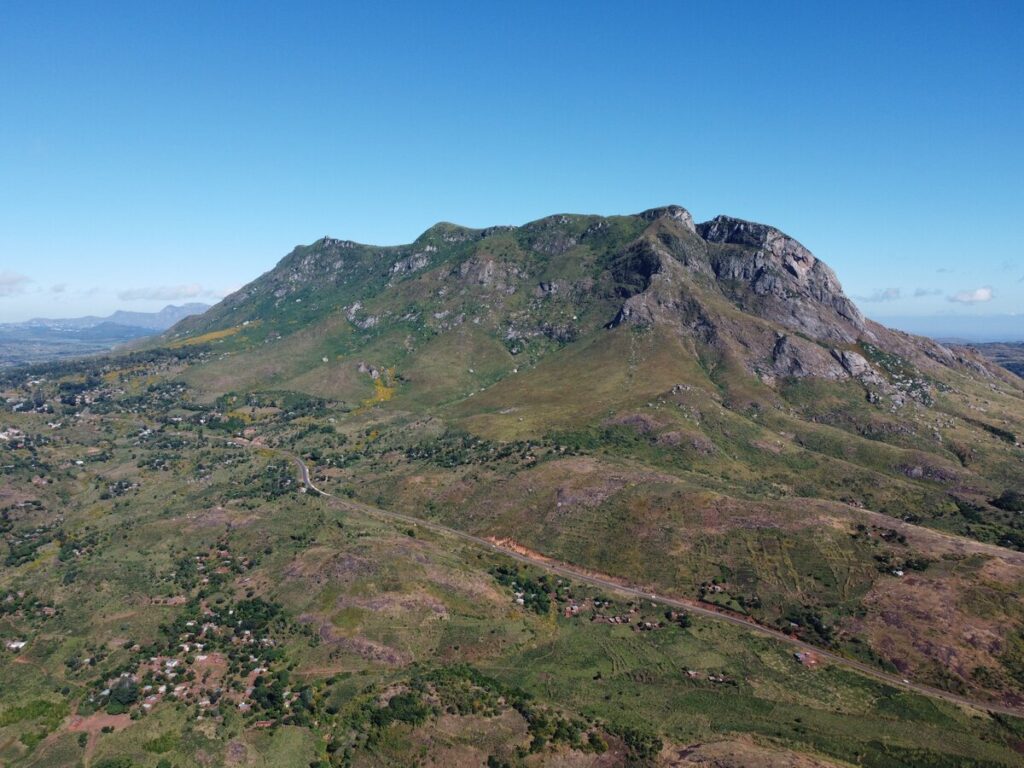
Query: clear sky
x=156, y=152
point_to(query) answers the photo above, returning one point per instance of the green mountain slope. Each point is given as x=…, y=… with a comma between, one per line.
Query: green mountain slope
x=696, y=409
x=722, y=359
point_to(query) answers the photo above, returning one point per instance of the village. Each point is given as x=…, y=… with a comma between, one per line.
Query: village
x=217, y=653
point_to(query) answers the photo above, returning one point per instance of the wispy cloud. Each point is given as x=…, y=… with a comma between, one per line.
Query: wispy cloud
x=12, y=283
x=976, y=296
x=918, y=293
x=889, y=294
x=58, y=287
x=164, y=293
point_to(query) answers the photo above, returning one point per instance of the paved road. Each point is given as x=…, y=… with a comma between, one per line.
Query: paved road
x=692, y=606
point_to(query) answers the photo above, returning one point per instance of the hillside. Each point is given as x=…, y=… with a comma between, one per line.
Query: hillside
x=693, y=410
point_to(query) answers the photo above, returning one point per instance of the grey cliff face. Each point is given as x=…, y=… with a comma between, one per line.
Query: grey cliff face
x=672, y=212
x=799, y=290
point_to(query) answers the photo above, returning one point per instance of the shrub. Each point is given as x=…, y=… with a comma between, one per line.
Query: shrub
x=1009, y=501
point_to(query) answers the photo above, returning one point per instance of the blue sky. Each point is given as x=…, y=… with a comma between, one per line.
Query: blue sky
x=155, y=152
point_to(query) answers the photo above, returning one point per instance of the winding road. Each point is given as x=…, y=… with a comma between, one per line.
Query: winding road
x=691, y=606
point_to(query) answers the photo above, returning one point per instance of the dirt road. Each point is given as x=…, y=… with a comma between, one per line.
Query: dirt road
x=622, y=588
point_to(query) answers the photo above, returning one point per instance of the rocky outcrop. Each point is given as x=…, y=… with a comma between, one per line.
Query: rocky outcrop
x=674, y=213
x=797, y=358
x=413, y=262
x=490, y=273
x=770, y=273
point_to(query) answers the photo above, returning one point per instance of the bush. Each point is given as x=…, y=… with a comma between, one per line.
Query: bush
x=114, y=762
x=163, y=743
x=1009, y=501
x=642, y=746
x=403, y=707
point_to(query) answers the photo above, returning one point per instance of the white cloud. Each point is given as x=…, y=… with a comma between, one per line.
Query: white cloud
x=163, y=293
x=12, y=283
x=977, y=296
x=927, y=292
x=58, y=288
x=889, y=294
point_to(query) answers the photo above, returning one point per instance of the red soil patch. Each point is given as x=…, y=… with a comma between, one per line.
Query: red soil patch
x=96, y=722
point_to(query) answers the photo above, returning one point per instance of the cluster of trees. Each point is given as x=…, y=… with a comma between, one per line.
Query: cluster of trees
x=536, y=593
x=273, y=481
x=464, y=690
x=123, y=694
x=71, y=546
x=22, y=549
x=455, y=448
x=807, y=618
x=12, y=603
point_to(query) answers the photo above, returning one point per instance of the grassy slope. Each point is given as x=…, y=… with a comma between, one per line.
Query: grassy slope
x=377, y=601
x=697, y=423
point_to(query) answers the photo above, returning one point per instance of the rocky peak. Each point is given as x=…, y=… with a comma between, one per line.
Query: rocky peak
x=652, y=268
x=786, y=251
x=672, y=212
x=792, y=286
x=334, y=243
x=444, y=232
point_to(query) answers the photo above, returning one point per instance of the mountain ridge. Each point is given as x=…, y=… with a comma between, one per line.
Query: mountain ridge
x=654, y=267
x=155, y=321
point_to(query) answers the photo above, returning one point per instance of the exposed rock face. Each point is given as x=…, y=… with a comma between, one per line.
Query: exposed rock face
x=672, y=212
x=859, y=368
x=793, y=356
x=490, y=273
x=854, y=364
x=413, y=263
x=801, y=291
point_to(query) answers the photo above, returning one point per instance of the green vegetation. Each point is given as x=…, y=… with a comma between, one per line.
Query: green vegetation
x=168, y=580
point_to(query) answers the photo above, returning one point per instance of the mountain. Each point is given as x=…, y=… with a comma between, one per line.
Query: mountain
x=43, y=339
x=740, y=297
x=720, y=363
x=597, y=491
x=152, y=321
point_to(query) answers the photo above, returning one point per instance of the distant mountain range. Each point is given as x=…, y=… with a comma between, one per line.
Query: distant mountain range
x=969, y=329
x=151, y=321
x=43, y=339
